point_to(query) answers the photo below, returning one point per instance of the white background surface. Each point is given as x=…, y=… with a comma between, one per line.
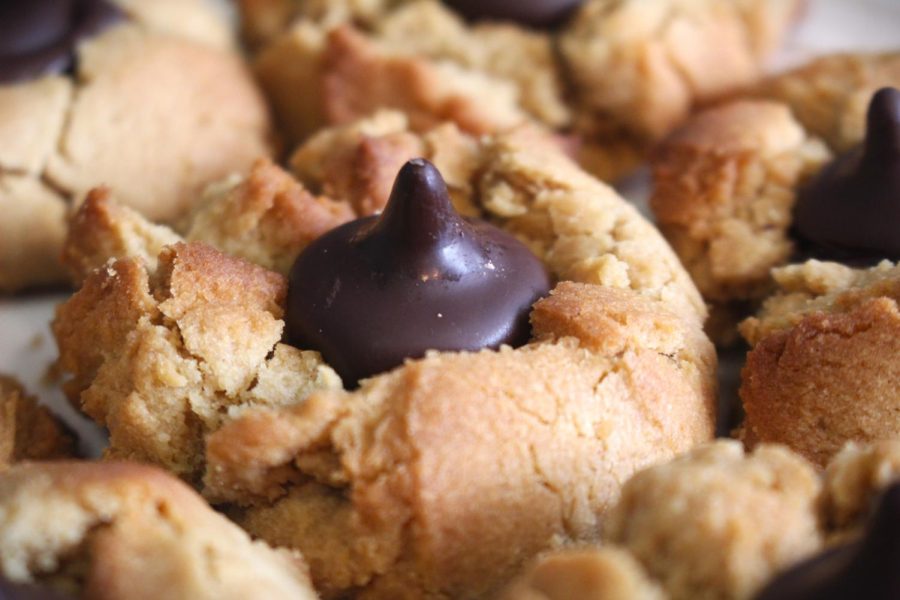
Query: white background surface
x=27, y=349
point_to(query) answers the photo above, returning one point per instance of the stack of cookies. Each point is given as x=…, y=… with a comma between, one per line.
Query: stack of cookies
x=350, y=292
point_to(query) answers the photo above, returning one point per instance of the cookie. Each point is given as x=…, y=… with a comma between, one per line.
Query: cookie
x=729, y=185
x=29, y=431
x=600, y=74
x=830, y=95
x=370, y=486
x=162, y=357
x=821, y=370
x=128, y=92
x=122, y=530
x=615, y=375
x=639, y=68
x=724, y=189
x=717, y=523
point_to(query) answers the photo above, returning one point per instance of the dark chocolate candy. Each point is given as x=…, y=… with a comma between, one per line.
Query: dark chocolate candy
x=29, y=591
x=851, y=210
x=864, y=569
x=378, y=290
x=40, y=37
x=534, y=13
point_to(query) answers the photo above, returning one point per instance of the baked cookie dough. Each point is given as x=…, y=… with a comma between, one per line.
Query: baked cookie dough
x=821, y=371
x=162, y=357
x=718, y=523
x=373, y=487
x=616, y=75
x=158, y=104
x=726, y=183
x=617, y=375
x=127, y=532
x=29, y=431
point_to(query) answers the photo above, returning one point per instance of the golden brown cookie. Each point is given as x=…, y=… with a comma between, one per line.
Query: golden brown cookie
x=724, y=188
x=372, y=487
x=158, y=107
x=29, y=431
x=829, y=95
x=639, y=67
x=727, y=182
x=619, y=75
x=821, y=371
x=618, y=375
x=265, y=217
x=720, y=524
x=129, y=532
x=717, y=523
x=162, y=357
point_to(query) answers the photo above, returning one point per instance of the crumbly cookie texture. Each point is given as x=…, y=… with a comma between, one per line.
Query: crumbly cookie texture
x=356, y=74
x=818, y=286
x=638, y=67
x=853, y=479
x=520, y=180
x=266, y=217
x=162, y=358
x=126, y=531
x=589, y=574
x=359, y=161
x=830, y=95
x=580, y=227
x=523, y=182
x=717, y=523
x=64, y=136
x=370, y=486
x=822, y=370
x=28, y=431
x=420, y=58
x=725, y=186
x=620, y=74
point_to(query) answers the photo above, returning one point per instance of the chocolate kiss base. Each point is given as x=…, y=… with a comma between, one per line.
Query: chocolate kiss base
x=851, y=211
x=379, y=290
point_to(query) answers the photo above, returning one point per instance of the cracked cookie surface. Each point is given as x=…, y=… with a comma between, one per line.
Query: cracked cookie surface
x=619, y=75
x=65, y=135
x=161, y=358
x=127, y=531
x=378, y=497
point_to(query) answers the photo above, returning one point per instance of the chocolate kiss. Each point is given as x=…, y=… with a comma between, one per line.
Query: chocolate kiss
x=865, y=569
x=851, y=210
x=40, y=37
x=534, y=13
x=378, y=290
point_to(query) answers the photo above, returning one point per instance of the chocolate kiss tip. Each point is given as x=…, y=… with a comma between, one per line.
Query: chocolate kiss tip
x=419, y=210
x=883, y=122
